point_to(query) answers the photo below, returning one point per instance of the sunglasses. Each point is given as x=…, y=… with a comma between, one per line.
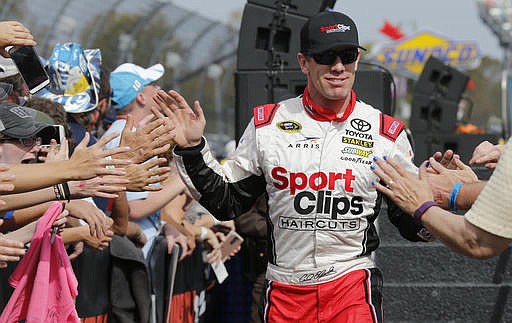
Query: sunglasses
x=347, y=56
x=27, y=142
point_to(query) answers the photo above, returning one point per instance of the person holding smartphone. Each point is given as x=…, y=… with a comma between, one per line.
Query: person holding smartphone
x=14, y=33
x=311, y=156
x=30, y=67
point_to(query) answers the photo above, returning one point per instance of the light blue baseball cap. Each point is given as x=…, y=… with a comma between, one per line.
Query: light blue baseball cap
x=128, y=79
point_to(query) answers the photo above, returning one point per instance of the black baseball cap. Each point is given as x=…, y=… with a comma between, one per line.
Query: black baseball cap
x=18, y=122
x=327, y=30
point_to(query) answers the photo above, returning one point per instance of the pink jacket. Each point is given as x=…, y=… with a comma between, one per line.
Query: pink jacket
x=44, y=281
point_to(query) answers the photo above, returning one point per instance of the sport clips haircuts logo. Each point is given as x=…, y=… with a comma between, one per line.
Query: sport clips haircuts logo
x=336, y=28
x=302, y=185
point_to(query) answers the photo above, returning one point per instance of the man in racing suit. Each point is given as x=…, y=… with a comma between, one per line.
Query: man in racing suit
x=311, y=155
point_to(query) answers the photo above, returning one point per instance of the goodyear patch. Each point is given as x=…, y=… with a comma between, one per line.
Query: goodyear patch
x=289, y=126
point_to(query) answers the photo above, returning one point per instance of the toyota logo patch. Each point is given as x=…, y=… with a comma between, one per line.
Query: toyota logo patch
x=360, y=125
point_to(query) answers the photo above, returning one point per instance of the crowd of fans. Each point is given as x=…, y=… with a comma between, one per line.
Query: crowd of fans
x=99, y=226
x=108, y=192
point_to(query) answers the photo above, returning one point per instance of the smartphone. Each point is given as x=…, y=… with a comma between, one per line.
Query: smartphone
x=54, y=132
x=30, y=67
x=233, y=240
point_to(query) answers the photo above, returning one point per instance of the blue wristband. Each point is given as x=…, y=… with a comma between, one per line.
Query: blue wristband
x=8, y=215
x=453, y=196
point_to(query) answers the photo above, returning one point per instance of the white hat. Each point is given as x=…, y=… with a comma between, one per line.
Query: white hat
x=7, y=67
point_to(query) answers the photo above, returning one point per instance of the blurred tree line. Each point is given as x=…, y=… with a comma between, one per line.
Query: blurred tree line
x=486, y=95
x=11, y=6
x=150, y=46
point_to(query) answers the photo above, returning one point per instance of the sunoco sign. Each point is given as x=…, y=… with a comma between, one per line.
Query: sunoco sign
x=409, y=55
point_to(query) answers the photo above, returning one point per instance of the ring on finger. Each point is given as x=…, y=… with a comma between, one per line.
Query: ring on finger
x=389, y=184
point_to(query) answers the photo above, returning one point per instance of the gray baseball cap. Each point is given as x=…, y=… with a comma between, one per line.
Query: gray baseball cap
x=18, y=122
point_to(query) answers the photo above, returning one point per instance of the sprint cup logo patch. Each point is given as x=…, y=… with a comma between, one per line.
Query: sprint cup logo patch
x=289, y=126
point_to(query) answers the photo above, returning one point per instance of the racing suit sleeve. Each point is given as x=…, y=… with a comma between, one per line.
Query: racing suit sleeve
x=226, y=190
x=408, y=228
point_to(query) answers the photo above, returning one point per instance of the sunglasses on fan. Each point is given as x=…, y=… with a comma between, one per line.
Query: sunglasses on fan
x=27, y=142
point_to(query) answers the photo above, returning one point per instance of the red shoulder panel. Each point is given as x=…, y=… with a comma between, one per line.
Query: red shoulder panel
x=264, y=114
x=390, y=127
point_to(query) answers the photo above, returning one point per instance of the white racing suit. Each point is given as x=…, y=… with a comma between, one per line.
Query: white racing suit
x=317, y=177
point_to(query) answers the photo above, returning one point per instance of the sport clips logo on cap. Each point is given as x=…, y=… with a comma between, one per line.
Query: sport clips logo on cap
x=337, y=28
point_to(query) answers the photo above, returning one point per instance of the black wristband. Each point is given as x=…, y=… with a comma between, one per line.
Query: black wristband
x=66, y=191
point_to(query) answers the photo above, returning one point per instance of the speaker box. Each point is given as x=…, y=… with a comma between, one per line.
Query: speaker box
x=374, y=87
x=306, y=8
x=432, y=113
x=259, y=34
x=442, y=79
x=256, y=88
x=426, y=144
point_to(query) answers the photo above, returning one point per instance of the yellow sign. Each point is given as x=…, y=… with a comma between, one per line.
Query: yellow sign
x=408, y=56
